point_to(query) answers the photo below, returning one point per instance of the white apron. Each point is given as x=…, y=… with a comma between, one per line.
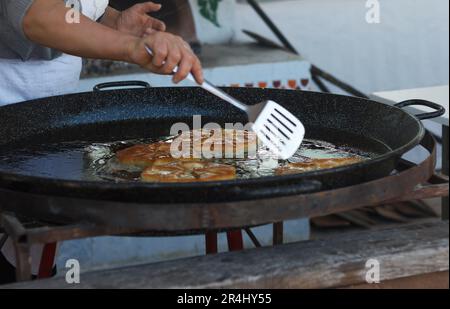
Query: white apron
x=21, y=81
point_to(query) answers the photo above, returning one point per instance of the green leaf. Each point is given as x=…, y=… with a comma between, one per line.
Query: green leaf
x=208, y=9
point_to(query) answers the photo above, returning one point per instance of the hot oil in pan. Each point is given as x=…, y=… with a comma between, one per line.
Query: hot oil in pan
x=57, y=161
x=105, y=165
x=89, y=161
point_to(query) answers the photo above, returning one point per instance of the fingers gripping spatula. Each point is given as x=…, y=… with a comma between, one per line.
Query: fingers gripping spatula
x=274, y=125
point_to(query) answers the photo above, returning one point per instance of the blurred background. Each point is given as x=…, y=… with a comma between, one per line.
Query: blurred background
x=408, y=48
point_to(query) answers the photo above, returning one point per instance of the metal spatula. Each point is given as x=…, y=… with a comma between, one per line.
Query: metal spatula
x=275, y=126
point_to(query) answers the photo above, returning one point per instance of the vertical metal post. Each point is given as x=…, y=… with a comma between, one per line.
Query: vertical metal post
x=211, y=243
x=235, y=240
x=278, y=231
x=47, y=261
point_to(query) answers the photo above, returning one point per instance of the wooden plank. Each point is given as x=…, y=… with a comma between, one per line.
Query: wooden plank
x=340, y=261
x=427, y=281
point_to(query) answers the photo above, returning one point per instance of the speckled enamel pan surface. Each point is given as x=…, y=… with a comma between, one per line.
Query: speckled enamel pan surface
x=140, y=113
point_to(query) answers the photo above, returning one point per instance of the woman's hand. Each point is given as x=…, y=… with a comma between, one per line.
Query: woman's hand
x=135, y=20
x=169, y=52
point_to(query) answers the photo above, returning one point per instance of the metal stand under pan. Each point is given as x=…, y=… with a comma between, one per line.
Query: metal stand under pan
x=408, y=182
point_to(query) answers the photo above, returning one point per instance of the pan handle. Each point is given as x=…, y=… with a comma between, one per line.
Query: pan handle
x=131, y=83
x=439, y=109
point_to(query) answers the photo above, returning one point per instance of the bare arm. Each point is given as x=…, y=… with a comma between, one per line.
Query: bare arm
x=135, y=20
x=110, y=18
x=45, y=23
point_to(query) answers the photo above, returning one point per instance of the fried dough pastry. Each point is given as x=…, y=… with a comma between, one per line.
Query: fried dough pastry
x=315, y=164
x=145, y=155
x=224, y=143
x=185, y=172
x=227, y=143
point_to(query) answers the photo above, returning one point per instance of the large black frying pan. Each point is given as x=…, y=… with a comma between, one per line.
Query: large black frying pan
x=137, y=113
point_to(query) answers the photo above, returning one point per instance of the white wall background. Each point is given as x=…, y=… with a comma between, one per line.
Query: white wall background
x=210, y=33
x=408, y=49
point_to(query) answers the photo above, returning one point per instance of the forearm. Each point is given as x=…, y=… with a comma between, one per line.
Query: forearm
x=45, y=23
x=110, y=18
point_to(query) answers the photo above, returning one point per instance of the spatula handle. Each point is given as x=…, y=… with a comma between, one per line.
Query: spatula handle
x=223, y=95
x=210, y=87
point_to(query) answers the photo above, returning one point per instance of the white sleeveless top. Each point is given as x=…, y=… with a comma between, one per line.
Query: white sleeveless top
x=20, y=81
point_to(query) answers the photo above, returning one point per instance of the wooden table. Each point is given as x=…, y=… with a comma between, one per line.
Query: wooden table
x=439, y=95
x=411, y=256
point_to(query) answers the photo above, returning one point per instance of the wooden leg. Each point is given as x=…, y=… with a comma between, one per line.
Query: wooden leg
x=23, y=261
x=211, y=243
x=235, y=240
x=17, y=232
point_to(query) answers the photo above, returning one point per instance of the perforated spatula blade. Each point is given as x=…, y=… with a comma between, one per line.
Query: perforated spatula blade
x=275, y=126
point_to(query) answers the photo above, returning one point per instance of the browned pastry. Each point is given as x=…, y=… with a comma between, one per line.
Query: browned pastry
x=224, y=143
x=227, y=143
x=145, y=155
x=315, y=164
x=183, y=172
